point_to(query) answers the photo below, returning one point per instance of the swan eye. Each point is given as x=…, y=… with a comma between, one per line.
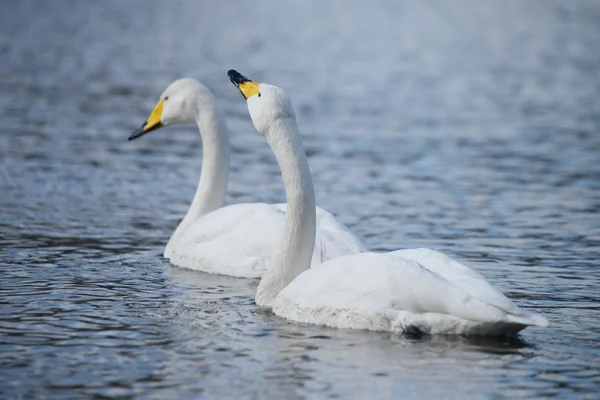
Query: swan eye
x=258, y=94
x=166, y=98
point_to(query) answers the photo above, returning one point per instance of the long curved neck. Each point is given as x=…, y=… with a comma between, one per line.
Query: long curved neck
x=300, y=220
x=212, y=187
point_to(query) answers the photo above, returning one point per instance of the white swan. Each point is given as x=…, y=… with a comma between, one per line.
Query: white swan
x=417, y=290
x=237, y=240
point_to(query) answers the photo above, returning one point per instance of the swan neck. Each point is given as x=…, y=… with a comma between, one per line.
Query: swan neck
x=212, y=186
x=300, y=220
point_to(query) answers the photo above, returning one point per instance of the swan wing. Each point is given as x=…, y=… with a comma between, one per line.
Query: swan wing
x=462, y=277
x=238, y=240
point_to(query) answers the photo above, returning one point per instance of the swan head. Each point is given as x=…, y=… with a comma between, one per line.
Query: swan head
x=268, y=105
x=176, y=105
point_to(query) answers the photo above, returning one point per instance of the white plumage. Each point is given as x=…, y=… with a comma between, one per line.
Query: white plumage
x=242, y=239
x=405, y=290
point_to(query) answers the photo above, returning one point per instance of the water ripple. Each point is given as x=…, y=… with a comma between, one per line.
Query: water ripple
x=470, y=128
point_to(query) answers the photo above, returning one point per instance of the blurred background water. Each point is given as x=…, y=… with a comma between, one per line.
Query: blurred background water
x=472, y=127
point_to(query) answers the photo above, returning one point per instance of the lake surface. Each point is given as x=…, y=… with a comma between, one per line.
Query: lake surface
x=469, y=127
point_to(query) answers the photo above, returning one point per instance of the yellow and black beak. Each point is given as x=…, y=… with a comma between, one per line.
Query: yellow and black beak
x=152, y=123
x=247, y=87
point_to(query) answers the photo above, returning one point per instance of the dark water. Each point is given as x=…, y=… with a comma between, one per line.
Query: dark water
x=470, y=127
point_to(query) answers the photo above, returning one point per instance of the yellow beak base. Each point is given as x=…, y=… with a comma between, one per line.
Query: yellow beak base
x=152, y=123
x=246, y=87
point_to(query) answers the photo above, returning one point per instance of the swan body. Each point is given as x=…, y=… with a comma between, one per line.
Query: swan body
x=236, y=240
x=243, y=238
x=417, y=290
x=401, y=291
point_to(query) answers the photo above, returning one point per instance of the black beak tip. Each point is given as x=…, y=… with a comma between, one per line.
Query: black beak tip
x=236, y=78
x=136, y=134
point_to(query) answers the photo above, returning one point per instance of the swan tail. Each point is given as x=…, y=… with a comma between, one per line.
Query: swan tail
x=528, y=318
